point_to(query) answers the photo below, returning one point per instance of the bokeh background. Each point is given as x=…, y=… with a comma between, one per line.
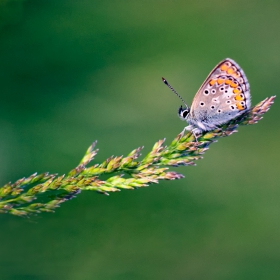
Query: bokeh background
x=76, y=71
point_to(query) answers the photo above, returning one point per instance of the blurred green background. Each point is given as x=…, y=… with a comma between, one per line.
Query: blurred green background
x=76, y=71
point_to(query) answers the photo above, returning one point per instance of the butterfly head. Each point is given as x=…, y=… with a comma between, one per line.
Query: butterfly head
x=183, y=112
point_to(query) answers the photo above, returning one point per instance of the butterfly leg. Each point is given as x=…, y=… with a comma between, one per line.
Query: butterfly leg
x=195, y=131
x=188, y=128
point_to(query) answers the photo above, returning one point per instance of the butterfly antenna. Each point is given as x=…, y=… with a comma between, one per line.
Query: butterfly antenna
x=164, y=80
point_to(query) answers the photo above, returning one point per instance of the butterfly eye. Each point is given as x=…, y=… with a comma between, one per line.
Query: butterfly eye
x=213, y=91
x=206, y=92
x=219, y=111
x=202, y=104
x=222, y=88
x=228, y=102
x=240, y=80
x=183, y=112
x=239, y=88
x=227, y=64
x=232, y=107
x=212, y=107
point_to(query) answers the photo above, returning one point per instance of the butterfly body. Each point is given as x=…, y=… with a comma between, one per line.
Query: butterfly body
x=224, y=95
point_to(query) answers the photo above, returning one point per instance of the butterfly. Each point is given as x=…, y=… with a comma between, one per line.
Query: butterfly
x=224, y=95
